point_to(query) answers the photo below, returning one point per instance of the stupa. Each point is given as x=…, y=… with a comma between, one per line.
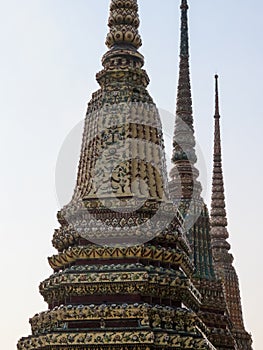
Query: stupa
x=134, y=268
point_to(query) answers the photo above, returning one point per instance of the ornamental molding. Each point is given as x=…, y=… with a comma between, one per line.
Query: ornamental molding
x=147, y=315
x=145, y=252
x=111, y=339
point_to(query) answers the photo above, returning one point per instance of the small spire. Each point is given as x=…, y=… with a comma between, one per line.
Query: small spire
x=217, y=115
x=184, y=155
x=217, y=138
x=184, y=96
x=184, y=47
x=223, y=260
x=123, y=23
x=219, y=232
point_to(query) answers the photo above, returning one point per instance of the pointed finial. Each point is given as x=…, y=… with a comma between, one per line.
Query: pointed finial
x=123, y=41
x=123, y=23
x=184, y=48
x=217, y=115
x=184, y=5
x=217, y=138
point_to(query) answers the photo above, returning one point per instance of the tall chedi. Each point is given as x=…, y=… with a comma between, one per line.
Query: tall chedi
x=122, y=276
x=223, y=260
x=184, y=185
x=186, y=190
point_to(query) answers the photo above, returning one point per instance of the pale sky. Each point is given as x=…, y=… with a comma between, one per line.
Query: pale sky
x=50, y=52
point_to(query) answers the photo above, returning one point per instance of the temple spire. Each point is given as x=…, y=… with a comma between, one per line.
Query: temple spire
x=122, y=139
x=219, y=232
x=184, y=156
x=184, y=96
x=185, y=189
x=223, y=260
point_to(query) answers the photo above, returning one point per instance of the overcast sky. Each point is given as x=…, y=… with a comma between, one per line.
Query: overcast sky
x=50, y=52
